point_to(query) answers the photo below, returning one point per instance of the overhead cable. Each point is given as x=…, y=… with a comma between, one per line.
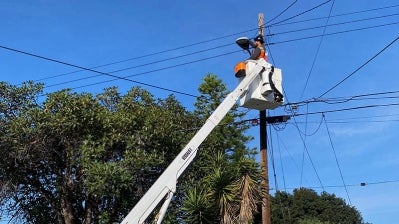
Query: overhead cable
x=338, y=15
x=317, y=50
x=207, y=41
x=146, y=72
x=349, y=109
x=173, y=66
x=362, y=184
x=364, y=64
x=278, y=15
x=95, y=71
x=304, y=145
x=334, y=33
x=299, y=14
x=333, y=24
x=155, y=53
x=336, y=159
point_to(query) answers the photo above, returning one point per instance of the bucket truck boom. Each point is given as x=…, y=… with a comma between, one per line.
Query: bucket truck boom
x=165, y=186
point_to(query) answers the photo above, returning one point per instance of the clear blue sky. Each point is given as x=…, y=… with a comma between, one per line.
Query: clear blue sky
x=93, y=33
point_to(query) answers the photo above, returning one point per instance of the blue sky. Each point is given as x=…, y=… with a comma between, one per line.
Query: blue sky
x=348, y=145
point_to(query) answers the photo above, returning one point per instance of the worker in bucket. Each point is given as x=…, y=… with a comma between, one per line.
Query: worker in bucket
x=259, y=50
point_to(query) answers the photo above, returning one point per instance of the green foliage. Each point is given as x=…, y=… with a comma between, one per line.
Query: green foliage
x=198, y=208
x=306, y=206
x=78, y=158
x=312, y=221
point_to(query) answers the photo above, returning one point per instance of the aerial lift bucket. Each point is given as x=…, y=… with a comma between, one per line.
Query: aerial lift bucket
x=265, y=92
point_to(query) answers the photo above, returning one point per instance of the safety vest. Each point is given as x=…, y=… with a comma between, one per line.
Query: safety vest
x=262, y=54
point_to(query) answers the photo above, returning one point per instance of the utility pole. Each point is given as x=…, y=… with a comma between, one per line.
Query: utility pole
x=266, y=218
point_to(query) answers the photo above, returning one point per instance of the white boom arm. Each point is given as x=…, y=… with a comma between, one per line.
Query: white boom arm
x=166, y=183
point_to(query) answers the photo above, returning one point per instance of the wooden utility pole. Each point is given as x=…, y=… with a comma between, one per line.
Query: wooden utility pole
x=266, y=218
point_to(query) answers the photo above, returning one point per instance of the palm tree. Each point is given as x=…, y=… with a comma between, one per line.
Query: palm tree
x=248, y=189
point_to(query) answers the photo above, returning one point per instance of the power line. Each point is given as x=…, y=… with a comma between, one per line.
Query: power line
x=138, y=66
x=349, y=109
x=141, y=73
x=335, y=33
x=305, y=147
x=207, y=41
x=184, y=46
x=299, y=14
x=304, y=137
x=334, y=24
x=317, y=51
x=117, y=77
x=332, y=121
x=103, y=73
x=290, y=155
x=155, y=53
x=354, y=121
x=271, y=152
x=173, y=66
x=344, y=99
x=313, y=132
x=336, y=159
x=193, y=44
x=362, y=184
x=278, y=15
x=338, y=15
x=95, y=71
x=364, y=64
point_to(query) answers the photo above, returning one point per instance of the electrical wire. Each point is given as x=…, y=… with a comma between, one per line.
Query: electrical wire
x=282, y=12
x=299, y=14
x=281, y=163
x=141, y=73
x=181, y=47
x=304, y=144
x=173, y=66
x=336, y=158
x=305, y=136
x=117, y=77
x=351, y=122
x=317, y=51
x=335, y=33
x=155, y=53
x=95, y=71
x=364, y=64
x=136, y=66
x=334, y=24
x=186, y=46
x=338, y=15
x=315, y=131
x=271, y=152
x=290, y=156
x=344, y=99
x=348, y=109
x=362, y=184
x=307, y=79
x=207, y=41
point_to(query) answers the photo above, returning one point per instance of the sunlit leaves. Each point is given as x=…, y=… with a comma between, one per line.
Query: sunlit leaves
x=81, y=158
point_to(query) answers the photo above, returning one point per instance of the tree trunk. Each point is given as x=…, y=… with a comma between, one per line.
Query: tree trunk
x=66, y=197
x=89, y=209
x=66, y=207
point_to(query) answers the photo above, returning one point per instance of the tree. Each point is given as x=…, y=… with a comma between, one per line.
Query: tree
x=306, y=206
x=78, y=158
